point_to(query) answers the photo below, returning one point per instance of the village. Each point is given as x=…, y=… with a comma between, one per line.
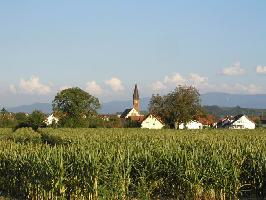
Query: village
x=133, y=100
x=150, y=121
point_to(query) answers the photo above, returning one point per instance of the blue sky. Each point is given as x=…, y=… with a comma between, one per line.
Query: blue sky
x=105, y=47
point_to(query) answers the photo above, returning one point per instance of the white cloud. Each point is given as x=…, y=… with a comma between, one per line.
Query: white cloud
x=31, y=86
x=261, y=69
x=13, y=89
x=235, y=70
x=116, y=84
x=203, y=84
x=168, y=82
x=93, y=88
x=176, y=79
x=158, y=85
x=196, y=79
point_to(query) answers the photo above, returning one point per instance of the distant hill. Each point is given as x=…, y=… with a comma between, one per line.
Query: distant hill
x=232, y=111
x=44, y=107
x=226, y=103
x=232, y=100
x=209, y=99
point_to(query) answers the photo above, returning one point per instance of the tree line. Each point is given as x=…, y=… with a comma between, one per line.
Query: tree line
x=77, y=108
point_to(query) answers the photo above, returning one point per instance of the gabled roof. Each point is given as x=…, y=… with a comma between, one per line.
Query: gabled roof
x=154, y=117
x=125, y=113
x=237, y=117
x=224, y=122
x=230, y=120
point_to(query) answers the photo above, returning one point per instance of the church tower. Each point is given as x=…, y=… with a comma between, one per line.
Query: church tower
x=136, y=101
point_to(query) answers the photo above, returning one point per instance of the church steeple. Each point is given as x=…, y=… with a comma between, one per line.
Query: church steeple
x=136, y=101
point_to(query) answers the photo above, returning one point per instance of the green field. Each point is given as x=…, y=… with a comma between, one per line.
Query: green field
x=132, y=164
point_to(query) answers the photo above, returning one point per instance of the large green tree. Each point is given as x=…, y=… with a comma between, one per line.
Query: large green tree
x=179, y=106
x=75, y=105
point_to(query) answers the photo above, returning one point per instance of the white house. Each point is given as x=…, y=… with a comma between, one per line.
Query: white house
x=51, y=119
x=241, y=122
x=151, y=122
x=132, y=112
x=191, y=125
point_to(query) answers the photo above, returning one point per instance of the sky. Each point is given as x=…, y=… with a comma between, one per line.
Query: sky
x=105, y=47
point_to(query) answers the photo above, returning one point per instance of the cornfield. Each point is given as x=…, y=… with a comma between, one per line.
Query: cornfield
x=132, y=164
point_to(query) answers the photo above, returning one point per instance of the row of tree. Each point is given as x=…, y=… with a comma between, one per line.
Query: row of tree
x=77, y=108
x=16, y=120
x=38, y=119
x=179, y=106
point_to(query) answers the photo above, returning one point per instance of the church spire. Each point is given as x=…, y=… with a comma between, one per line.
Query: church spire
x=136, y=101
x=136, y=92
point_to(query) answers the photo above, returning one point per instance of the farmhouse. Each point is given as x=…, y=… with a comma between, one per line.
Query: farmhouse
x=237, y=122
x=51, y=119
x=191, y=125
x=242, y=122
x=152, y=122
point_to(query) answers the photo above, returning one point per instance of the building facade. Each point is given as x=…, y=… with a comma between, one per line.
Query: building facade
x=152, y=122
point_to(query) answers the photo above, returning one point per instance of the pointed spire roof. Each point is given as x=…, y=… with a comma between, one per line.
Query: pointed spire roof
x=136, y=92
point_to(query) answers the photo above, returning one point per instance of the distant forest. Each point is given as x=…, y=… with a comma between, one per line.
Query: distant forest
x=231, y=111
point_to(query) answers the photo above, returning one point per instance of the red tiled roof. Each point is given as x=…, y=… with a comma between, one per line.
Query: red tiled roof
x=137, y=118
